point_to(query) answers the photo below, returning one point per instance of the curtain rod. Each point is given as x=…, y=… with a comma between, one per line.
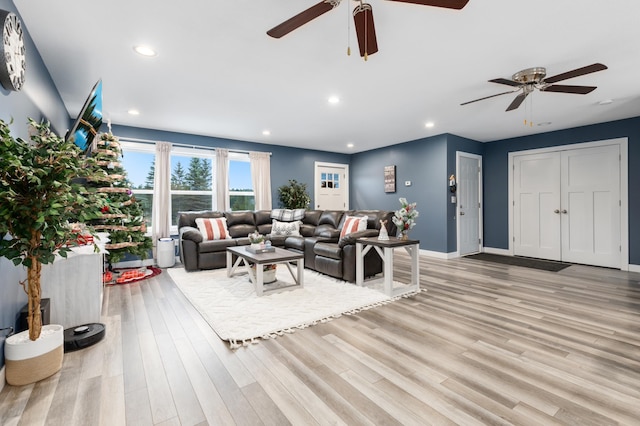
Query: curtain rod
x=182, y=145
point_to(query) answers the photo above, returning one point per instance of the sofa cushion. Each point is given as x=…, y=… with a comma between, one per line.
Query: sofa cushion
x=287, y=215
x=290, y=229
x=213, y=228
x=330, y=217
x=214, y=246
x=330, y=250
x=353, y=224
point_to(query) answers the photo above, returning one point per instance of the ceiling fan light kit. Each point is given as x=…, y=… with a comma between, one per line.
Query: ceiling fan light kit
x=362, y=16
x=526, y=81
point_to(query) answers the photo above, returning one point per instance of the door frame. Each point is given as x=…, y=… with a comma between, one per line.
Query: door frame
x=624, y=189
x=316, y=181
x=480, y=200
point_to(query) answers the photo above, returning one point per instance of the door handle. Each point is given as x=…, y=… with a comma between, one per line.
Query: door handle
x=564, y=211
x=556, y=211
x=461, y=213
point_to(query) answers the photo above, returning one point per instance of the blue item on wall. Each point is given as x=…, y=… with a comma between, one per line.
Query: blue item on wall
x=88, y=123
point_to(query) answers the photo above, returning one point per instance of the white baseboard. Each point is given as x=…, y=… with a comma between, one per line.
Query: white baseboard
x=492, y=250
x=634, y=268
x=438, y=254
x=134, y=263
x=2, y=378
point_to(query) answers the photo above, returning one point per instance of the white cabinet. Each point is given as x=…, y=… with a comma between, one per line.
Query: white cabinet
x=74, y=287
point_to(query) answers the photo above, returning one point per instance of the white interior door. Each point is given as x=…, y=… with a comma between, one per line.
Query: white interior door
x=536, y=205
x=591, y=206
x=567, y=205
x=469, y=169
x=331, y=186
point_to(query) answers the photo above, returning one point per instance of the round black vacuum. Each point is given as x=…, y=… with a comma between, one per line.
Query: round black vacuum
x=83, y=336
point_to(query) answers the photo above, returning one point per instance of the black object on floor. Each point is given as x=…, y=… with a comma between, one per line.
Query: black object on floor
x=83, y=336
x=527, y=262
x=45, y=314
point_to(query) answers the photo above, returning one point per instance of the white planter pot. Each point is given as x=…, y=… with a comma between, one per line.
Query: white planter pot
x=268, y=276
x=30, y=361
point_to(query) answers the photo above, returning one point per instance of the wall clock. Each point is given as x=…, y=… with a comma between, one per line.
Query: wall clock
x=12, y=52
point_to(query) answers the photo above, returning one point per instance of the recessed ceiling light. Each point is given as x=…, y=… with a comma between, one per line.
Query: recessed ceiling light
x=605, y=102
x=134, y=112
x=334, y=100
x=144, y=51
x=266, y=132
x=429, y=124
x=350, y=145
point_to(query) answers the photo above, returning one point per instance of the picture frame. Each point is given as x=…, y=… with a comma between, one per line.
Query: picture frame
x=389, y=178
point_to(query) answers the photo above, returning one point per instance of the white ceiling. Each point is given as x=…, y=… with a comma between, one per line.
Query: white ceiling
x=217, y=73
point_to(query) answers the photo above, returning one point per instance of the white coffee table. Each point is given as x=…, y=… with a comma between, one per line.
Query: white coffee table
x=260, y=259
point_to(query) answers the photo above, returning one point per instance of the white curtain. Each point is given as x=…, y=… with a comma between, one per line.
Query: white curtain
x=261, y=178
x=222, y=179
x=161, y=208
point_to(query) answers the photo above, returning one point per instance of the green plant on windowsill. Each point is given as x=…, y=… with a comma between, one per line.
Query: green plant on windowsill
x=38, y=199
x=294, y=195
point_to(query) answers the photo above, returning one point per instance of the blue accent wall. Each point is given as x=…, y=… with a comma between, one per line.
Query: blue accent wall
x=39, y=100
x=495, y=160
x=424, y=163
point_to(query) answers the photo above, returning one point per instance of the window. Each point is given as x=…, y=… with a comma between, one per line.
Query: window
x=241, y=195
x=192, y=179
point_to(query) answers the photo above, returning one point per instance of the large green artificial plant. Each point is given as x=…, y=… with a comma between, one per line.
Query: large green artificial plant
x=294, y=195
x=38, y=199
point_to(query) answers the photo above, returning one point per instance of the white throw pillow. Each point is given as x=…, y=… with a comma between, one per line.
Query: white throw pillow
x=288, y=229
x=213, y=228
x=353, y=224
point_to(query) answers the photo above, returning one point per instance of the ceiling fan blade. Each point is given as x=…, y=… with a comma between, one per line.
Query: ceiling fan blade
x=489, y=97
x=449, y=4
x=576, y=73
x=517, y=101
x=563, y=88
x=302, y=18
x=365, y=29
x=505, y=81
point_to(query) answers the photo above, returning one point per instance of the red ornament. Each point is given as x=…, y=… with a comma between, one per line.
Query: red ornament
x=104, y=209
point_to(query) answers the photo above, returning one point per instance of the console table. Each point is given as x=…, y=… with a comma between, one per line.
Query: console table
x=385, y=249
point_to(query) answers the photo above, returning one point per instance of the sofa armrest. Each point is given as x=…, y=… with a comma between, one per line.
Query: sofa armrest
x=190, y=233
x=350, y=239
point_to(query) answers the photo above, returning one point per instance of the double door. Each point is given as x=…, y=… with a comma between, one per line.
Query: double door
x=566, y=205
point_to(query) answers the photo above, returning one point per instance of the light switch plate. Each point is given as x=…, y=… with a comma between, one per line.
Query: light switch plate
x=407, y=183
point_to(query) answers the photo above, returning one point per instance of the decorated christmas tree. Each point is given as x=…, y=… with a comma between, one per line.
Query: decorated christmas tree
x=122, y=214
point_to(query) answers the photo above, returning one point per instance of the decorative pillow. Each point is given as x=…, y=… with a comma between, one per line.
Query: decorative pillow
x=353, y=224
x=213, y=228
x=287, y=215
x=287, y=229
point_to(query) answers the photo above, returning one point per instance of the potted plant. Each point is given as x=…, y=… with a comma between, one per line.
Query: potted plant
x=38, y=199
x=294, y=195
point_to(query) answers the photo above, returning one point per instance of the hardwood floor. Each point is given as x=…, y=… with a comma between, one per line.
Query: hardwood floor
x=482, y=344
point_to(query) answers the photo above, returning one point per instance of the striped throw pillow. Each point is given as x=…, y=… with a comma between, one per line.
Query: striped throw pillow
x=213, y=229
x=353, y=224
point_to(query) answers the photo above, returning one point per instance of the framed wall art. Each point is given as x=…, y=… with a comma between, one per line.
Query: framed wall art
x=389, y=178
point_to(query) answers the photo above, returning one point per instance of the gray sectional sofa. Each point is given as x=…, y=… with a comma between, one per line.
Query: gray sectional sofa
x=324, y=251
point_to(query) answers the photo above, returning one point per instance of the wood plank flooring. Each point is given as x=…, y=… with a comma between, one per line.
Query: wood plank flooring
x=482, y=344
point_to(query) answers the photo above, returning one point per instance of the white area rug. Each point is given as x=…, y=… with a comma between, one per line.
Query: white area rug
x=239, y=316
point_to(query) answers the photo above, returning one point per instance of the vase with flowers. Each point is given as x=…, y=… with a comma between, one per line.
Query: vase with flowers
x=405, y=218
x=256, y=239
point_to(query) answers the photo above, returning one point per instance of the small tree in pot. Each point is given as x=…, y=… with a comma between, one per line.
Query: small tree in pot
x=37, y=200
x=294, y=195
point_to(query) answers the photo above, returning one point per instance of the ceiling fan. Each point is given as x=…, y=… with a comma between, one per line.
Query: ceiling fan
x=526, y=81
x=362, y=16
